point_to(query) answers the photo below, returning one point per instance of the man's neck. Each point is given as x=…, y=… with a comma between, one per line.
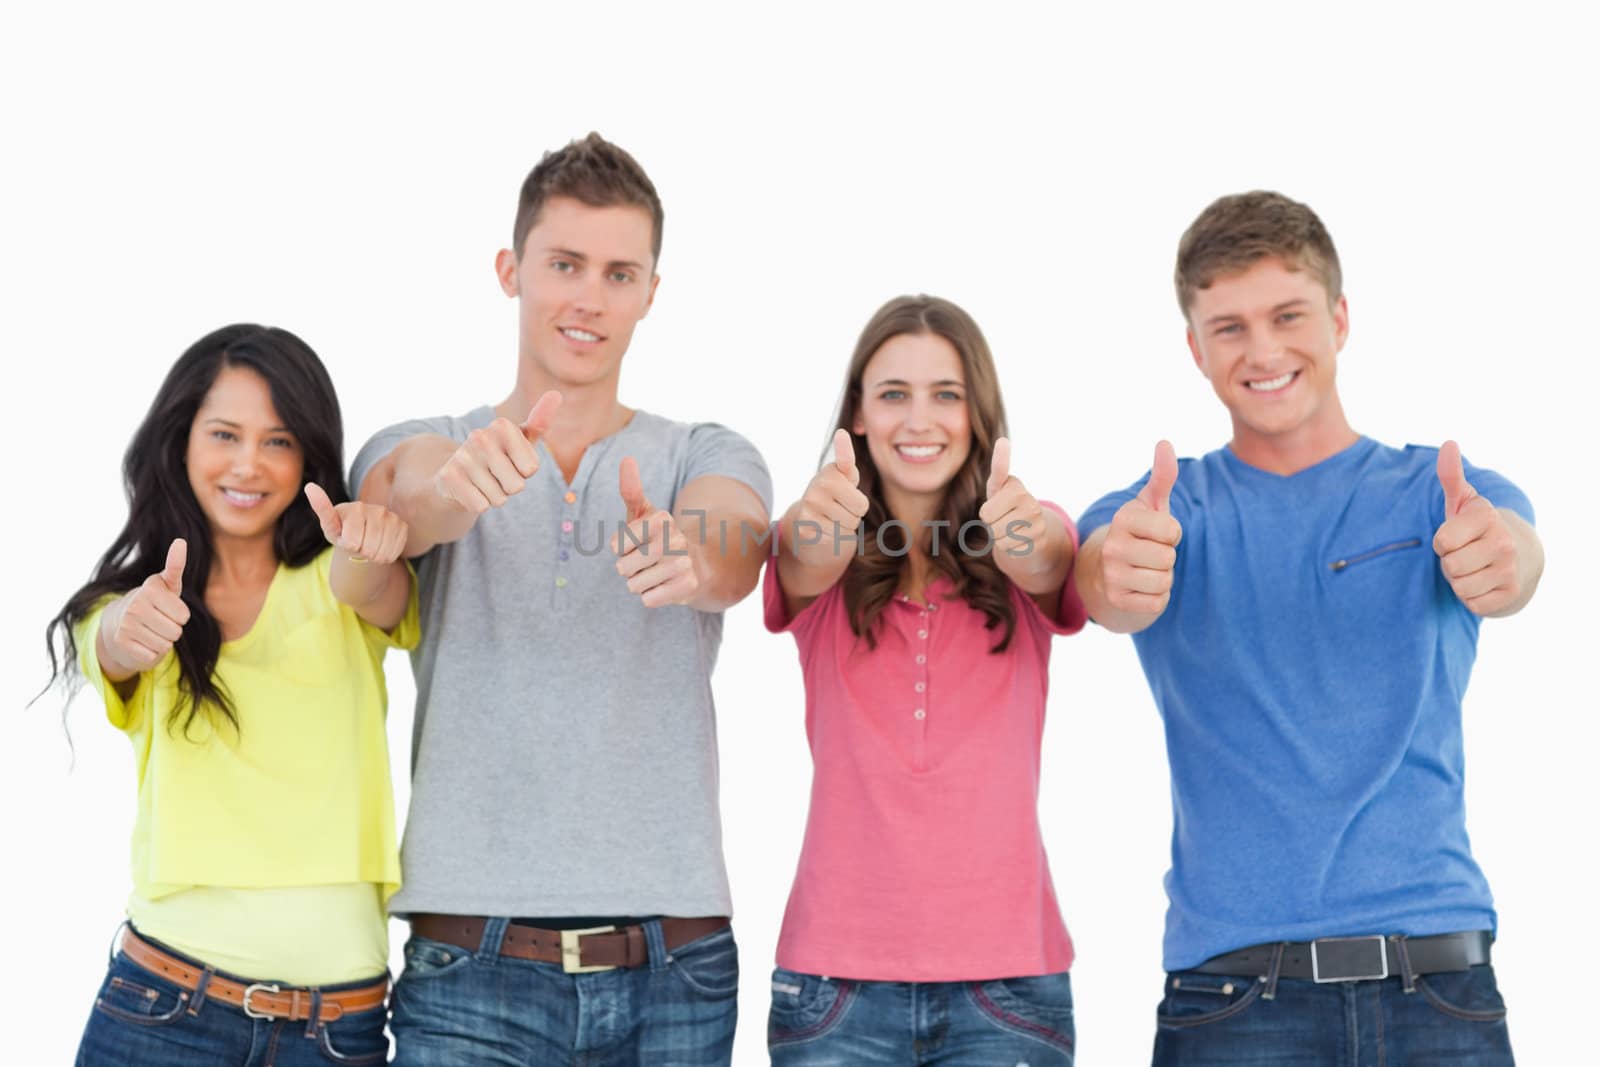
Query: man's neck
x=588, y=413
x=1291, y=453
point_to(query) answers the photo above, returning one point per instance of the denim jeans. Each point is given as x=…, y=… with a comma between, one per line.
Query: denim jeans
x=1454, y=1018
x=142, y=1020
x=457, y=1008
x=826, y=1022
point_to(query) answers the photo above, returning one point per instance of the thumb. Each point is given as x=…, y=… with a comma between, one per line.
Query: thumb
x=172, y=573
x=1163, y=476
x=632, y=490
x=1453, y=479
x=537, y=424
x=1000, y=466
x=322, y=504
x=844, y=455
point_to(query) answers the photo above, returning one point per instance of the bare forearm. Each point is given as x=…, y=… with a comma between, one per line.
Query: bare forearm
x=727, y=551
x=377, y=591
x=404, y=483
x=810, y=560
x=1043, y=568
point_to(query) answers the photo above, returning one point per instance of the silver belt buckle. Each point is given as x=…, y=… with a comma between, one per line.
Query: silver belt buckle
x=1383, y=959
x=258, y=987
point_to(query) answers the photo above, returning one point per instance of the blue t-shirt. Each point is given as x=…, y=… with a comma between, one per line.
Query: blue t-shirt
x=1309, y=669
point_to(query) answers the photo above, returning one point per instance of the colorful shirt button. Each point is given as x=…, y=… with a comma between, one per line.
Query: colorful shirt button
x=561, y=583
x=571, y=497
x=919, y=714
x=566, y=525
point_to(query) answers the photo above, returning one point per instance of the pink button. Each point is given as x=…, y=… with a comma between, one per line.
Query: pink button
x=566, y=526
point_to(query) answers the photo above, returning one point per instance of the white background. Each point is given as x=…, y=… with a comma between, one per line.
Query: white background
x=351, y=175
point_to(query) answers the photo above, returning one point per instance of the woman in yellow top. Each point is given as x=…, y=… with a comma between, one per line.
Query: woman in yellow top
x=242, y=656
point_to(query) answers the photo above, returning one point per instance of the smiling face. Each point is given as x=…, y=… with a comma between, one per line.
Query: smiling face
x=914, y=417
x=244, y=465
x=585, y=277
x=1268, y=341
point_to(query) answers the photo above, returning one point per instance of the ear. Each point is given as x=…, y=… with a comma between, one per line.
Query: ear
x=1194, y=350
x=650, y=299
x=505, y=268
x=1341, y=324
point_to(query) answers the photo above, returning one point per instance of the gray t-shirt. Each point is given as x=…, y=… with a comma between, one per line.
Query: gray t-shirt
x=564, y=757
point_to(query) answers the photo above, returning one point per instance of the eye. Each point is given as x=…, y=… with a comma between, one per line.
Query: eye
x=1228, y=329
x=948, y=394
x=1290, y=316
x=222, y=435
x=621, y=277
x=280, y=442
x=563, y=266
x=892, y=394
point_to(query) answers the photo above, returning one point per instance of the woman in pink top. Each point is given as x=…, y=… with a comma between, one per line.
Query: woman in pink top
x=922, y=927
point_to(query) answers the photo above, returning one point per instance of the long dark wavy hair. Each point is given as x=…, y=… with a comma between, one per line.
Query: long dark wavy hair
x=162, y=506
x=873, y=575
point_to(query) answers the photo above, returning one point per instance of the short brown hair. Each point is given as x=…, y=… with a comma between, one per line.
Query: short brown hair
x=1236, y=231
x=591, y=171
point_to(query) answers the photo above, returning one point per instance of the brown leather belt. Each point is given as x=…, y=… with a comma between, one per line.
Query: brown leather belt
x=602, y=948
x=259, y=1000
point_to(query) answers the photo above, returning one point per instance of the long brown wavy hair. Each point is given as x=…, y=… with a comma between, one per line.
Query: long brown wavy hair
x=873, y=575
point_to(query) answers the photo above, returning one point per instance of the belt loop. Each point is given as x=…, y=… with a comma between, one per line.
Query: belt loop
x=1408, y=977
x=656, y=945
x=494, y=932
x=1272, y=972
x=314, y=1023
x=116, y=939
x=199, y=996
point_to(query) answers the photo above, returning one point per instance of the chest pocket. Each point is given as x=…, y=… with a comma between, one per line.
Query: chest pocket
x=1389, y=551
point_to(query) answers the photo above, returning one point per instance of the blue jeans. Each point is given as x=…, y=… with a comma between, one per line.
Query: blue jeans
x=457, y=1008
x=833, y=1021
x=142, y=1020
x=1455, y=1018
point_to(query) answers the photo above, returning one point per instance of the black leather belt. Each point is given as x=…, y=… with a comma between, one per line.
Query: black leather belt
x=1355, y=959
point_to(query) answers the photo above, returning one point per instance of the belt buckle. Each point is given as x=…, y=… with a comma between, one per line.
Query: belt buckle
x=572, y=953
x=258, y=987
x=1316, y=964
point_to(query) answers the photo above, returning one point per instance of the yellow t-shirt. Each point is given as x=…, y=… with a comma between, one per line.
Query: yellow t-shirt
x=298, y=797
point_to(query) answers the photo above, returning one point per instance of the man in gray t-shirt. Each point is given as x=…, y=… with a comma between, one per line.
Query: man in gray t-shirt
x=574, y=557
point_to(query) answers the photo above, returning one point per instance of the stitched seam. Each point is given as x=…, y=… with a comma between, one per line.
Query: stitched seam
x=1459, y=1013
x=1216, y=1016
x=847, y=993
x=142, y=1020
x=1017, y=1022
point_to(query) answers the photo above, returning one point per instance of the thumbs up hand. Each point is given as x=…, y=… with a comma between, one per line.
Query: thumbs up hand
x=368, y=533
x=652, y=553
x=138, y=629
x=1476, y=550
x=496, y=461
x=832, y=502
x=1015, y=519
x=1141, y=545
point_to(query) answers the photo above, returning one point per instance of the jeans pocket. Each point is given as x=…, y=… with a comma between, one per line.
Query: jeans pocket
x=1194, y=999
x=709, y=965
x=356, y=1040
x=1470, y=995
x=144, y=1000
x=805, y=1007
x=1036, y=1006
x=431, y=959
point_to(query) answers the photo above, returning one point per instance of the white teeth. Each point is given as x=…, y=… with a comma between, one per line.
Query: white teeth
x=242, y=498
x=581, y=335
x=920, y=451
x=1272, y=383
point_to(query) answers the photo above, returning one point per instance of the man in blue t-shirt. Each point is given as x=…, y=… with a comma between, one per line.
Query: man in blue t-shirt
x=1305, y=603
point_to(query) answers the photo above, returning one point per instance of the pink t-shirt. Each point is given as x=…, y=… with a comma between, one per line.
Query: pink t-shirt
x=922, y=859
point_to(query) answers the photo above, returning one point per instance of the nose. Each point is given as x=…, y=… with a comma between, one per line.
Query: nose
x=919, y=414
x=590, y=298
x=1265, y=351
